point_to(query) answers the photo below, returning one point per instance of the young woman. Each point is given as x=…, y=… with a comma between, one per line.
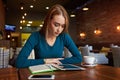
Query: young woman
x=50, y=41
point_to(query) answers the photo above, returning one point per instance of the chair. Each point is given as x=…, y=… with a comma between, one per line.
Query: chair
x=18, y=49
x=116, y=56
x=85, y=51
x=4, y=58
x=66, y=53
x=32, y=55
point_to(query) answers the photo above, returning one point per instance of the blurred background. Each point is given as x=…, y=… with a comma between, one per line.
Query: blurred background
x=94, y=22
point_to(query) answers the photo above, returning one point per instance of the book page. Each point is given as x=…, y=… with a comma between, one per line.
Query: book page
x=41, y=68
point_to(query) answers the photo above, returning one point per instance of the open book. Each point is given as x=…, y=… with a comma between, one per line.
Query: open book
x=50, y=67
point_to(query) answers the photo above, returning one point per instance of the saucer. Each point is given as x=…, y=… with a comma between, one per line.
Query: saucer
x=88, y=65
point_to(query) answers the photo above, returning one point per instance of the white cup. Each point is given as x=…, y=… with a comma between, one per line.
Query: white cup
x=89, y=60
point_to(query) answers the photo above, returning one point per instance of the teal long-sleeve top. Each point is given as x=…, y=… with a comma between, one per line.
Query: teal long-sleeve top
x=43, y=50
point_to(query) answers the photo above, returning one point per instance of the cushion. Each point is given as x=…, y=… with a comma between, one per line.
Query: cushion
x=105, y=49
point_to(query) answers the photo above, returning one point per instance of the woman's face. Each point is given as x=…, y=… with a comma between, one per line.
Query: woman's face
x=57, y=25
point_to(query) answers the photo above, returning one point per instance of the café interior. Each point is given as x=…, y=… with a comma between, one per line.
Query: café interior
x=94, y=26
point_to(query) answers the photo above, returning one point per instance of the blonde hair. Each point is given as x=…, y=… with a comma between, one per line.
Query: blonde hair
x=55, y=10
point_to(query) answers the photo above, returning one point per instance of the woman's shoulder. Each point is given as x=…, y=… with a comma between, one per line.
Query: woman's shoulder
x=36, y=33
x=66, y=38
x=64, y=35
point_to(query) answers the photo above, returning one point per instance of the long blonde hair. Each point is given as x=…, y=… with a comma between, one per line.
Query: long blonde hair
x=55, y=10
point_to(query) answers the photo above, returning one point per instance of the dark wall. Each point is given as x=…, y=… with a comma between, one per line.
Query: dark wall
x=2, y=17
x=102, y=14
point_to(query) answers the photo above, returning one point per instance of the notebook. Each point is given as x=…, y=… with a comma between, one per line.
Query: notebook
x=51, y=67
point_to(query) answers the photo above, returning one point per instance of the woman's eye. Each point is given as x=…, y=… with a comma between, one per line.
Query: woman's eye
x=57, y=25
x=63, y=26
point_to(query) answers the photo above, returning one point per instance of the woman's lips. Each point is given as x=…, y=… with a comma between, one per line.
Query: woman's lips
x=56, y=33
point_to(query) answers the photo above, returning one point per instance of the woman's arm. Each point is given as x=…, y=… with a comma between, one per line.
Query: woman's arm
x=76, y=55
x=22, y=60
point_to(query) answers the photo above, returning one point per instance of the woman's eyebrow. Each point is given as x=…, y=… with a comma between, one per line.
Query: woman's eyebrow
x=59, y=23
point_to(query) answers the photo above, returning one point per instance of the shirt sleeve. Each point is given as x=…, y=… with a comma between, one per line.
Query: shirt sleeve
x=22, y=60
x=70, y=45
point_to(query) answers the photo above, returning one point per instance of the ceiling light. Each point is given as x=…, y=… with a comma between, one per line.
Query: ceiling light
x=97, y=31
x=41, y=25
x=22, y=4
x=23, y=17
x=72, y=15
x=20, y=27
x=21, y=8
x=85, y=9
x=46, y=7
x=118, y=27
x=31, y=6
x=13, y=39
x=82, y=35
x=23, y=21
x=28, y=24
x=25, y=14
x=8, y=36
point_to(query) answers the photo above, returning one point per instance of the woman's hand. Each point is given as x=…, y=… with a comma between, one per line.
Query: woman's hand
x=53, y=61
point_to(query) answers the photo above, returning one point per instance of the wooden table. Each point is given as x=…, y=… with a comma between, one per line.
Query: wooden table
x=100, y=72
x=8, y=74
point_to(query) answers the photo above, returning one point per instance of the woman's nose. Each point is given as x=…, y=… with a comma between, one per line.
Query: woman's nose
x=59, y=28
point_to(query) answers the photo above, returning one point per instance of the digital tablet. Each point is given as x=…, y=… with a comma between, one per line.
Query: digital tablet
x=39, y=77
x=69, y=67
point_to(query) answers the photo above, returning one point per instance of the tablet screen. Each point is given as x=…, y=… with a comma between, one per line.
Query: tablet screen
x=70, y=67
